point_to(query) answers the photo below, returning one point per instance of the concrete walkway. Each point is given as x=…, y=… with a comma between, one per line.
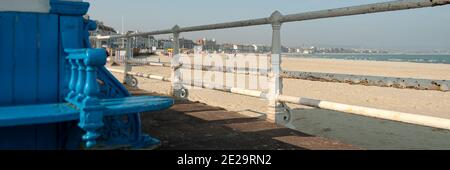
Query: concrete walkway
x=197, y=126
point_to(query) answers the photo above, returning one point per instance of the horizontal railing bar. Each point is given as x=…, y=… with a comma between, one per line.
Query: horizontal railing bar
x=158, y=32
x=235, y=90
x=338, y=12
x=235, y=70
x=379, y=81
x=245, y=92
x=147, y=63
x=365, y=9
x=244, y=23
x=416, y=119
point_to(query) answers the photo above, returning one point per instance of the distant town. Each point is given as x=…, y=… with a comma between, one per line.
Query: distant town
x=211, y=45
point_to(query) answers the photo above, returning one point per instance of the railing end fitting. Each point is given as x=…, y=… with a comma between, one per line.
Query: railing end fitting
x=276, y=18
x=176, y=29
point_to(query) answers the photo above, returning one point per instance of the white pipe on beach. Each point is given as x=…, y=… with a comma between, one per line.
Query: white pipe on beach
x=158, y=64
x=150, y=63
x=149, y=76
x=246, y=92
x=115, y=70
x=370, y=112
x=211, y=86
x=252, y=93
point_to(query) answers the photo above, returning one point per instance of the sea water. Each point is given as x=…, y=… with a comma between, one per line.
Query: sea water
x=416, y=58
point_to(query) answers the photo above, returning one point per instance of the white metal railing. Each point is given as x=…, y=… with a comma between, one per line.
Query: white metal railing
x=329, y=105
x=277, y=111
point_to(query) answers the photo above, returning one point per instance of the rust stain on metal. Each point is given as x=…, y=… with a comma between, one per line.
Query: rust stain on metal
x=439, y=3
x=394, y=82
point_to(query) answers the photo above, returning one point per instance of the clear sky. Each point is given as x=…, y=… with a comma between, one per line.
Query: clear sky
x=417, y=29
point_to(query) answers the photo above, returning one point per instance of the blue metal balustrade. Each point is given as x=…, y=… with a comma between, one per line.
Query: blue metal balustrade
x=55, y=92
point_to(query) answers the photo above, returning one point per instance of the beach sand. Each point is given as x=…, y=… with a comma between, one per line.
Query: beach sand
x=424, y=102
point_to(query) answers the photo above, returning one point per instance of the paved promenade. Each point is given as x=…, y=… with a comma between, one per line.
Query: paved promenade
x=194, y=126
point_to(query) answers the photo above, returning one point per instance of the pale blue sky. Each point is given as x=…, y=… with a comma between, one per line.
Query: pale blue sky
x=417, y=29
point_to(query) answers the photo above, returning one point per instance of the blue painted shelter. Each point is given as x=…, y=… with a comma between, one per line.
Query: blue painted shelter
x=55, y=92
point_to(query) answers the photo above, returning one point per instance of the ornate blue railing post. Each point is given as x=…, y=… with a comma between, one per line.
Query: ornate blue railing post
x=73, y=78
x=95, y=58
x=81, y=80
x=91, y=117
x=87, y=90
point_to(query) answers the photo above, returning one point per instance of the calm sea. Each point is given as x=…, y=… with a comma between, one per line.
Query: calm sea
x=416, y=58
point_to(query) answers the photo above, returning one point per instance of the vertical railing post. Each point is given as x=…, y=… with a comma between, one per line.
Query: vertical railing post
x=276, y=112
x=98, y=43
x=129, y=55
x=175, y=64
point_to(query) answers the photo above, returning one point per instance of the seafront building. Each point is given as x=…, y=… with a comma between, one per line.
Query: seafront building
x=211, y=45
